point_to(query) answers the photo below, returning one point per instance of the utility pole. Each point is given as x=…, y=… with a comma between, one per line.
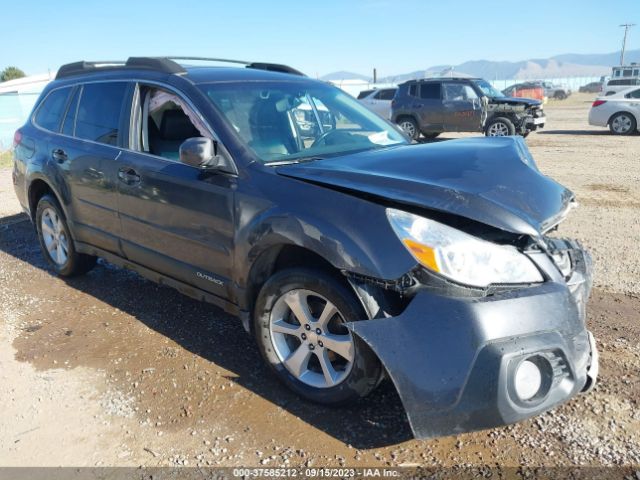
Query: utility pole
x=626, y=26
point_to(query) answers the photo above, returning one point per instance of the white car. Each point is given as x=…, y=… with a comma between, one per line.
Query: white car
x=620, y=112
x=616, y=85
x=378, y=100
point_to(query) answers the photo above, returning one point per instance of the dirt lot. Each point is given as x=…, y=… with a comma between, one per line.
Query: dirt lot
x=110, y=369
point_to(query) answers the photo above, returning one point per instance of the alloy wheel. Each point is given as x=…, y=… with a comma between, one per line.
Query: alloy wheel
x=408, y=127
x=498, y=129
x=621, y=124
x=54, y=236
x=310, y=339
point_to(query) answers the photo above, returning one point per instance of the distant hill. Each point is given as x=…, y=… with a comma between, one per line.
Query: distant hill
x=566, y=65
x=341, y=75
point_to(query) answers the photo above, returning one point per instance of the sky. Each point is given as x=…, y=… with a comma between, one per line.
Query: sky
x=317, y=37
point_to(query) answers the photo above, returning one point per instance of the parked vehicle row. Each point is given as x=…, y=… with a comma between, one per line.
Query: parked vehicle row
x=347, y=253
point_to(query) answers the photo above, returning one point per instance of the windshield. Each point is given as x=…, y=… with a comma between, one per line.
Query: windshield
x=291, y=121
x=488, y=89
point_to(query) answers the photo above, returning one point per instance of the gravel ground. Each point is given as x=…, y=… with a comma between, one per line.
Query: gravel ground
x=110, y=369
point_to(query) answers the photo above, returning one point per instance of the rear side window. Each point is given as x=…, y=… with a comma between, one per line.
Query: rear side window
x=430, y=91
x=364, y=93
x=68, y=126
x=99, y=112
x=49, y=115
x=413, y=90
x=634, y=94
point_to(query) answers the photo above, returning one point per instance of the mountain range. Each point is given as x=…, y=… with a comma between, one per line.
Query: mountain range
x=566, y=65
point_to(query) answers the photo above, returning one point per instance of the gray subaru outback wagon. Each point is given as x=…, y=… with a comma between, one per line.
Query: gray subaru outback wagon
x=348, y=253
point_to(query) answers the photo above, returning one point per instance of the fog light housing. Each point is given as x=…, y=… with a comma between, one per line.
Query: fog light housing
x=527, y=380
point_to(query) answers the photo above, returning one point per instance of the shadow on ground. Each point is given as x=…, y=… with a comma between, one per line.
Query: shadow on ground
x=573, y=132
x=204, y=330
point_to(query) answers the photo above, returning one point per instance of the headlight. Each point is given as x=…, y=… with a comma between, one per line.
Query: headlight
x=460, y=256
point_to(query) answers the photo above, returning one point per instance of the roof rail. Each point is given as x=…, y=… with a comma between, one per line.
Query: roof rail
x=272, y=67
x=161, y=64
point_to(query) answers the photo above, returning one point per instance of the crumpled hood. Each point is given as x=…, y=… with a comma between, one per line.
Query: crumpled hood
x=529, y=102
x=491, y=180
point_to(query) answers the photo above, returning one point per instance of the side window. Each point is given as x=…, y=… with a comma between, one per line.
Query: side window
x=634, y=94
x=69, y=124
x=430, y=91
x=386, y=94
x=50, y=112
x=99, y=111
x=413, y=90
x=456, y=92
x=167, y=121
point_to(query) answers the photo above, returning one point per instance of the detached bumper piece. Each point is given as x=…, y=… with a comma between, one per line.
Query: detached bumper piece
x=463, y=364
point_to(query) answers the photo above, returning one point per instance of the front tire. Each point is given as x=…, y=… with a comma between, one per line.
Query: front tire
x=622, y=123
x=299, y=327
x=56, y=242
x=499, y=127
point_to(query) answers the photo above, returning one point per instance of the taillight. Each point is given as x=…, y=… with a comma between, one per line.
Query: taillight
x=598, y=103
x=393, y=103
x=17, y=138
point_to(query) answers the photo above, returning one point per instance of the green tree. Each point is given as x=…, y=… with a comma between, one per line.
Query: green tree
x=11, y=73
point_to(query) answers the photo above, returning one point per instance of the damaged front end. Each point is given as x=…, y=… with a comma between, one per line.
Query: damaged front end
x=464, y=363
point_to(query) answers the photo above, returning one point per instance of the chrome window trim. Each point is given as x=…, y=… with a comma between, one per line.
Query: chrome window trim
x=137, y=82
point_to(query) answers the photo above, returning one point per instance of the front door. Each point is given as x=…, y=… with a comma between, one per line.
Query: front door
x=174, y=219
x=462, y=108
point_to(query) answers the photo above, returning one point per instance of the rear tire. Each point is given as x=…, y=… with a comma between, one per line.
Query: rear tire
x=499, y=127
x=410, y=127
x=622, y=123
x=56, y=241
x=304, y=353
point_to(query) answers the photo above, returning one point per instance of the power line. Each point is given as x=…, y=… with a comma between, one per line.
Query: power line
x=626, y=26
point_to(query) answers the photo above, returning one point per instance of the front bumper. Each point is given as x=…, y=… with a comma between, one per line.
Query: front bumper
x=453, y=359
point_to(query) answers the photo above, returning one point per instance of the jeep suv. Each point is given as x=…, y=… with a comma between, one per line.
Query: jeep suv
x=435, y=105
x=349, y=254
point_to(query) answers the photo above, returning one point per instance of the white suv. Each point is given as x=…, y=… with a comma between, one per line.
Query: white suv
x=378, y=100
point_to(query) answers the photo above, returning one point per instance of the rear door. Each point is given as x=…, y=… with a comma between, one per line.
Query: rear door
x=175, y=219
x=428, y=105
x=462, y=107
x=93, y=129
x=82, y=155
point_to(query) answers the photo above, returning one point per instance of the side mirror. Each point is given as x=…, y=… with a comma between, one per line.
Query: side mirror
x=199, y=152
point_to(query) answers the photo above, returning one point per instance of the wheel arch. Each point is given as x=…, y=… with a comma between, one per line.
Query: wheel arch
x=39, y=187
x=628, y=113
x=279, y=257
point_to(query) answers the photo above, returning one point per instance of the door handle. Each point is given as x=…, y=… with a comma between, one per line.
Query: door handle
x=128, y=175
x=417, y=105
x=59, y=155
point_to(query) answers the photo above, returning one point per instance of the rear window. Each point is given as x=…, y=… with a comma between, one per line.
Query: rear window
x=430, y=91
x=386, y=94
x=99, y=112
x=50, y=112
x=363, y=94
